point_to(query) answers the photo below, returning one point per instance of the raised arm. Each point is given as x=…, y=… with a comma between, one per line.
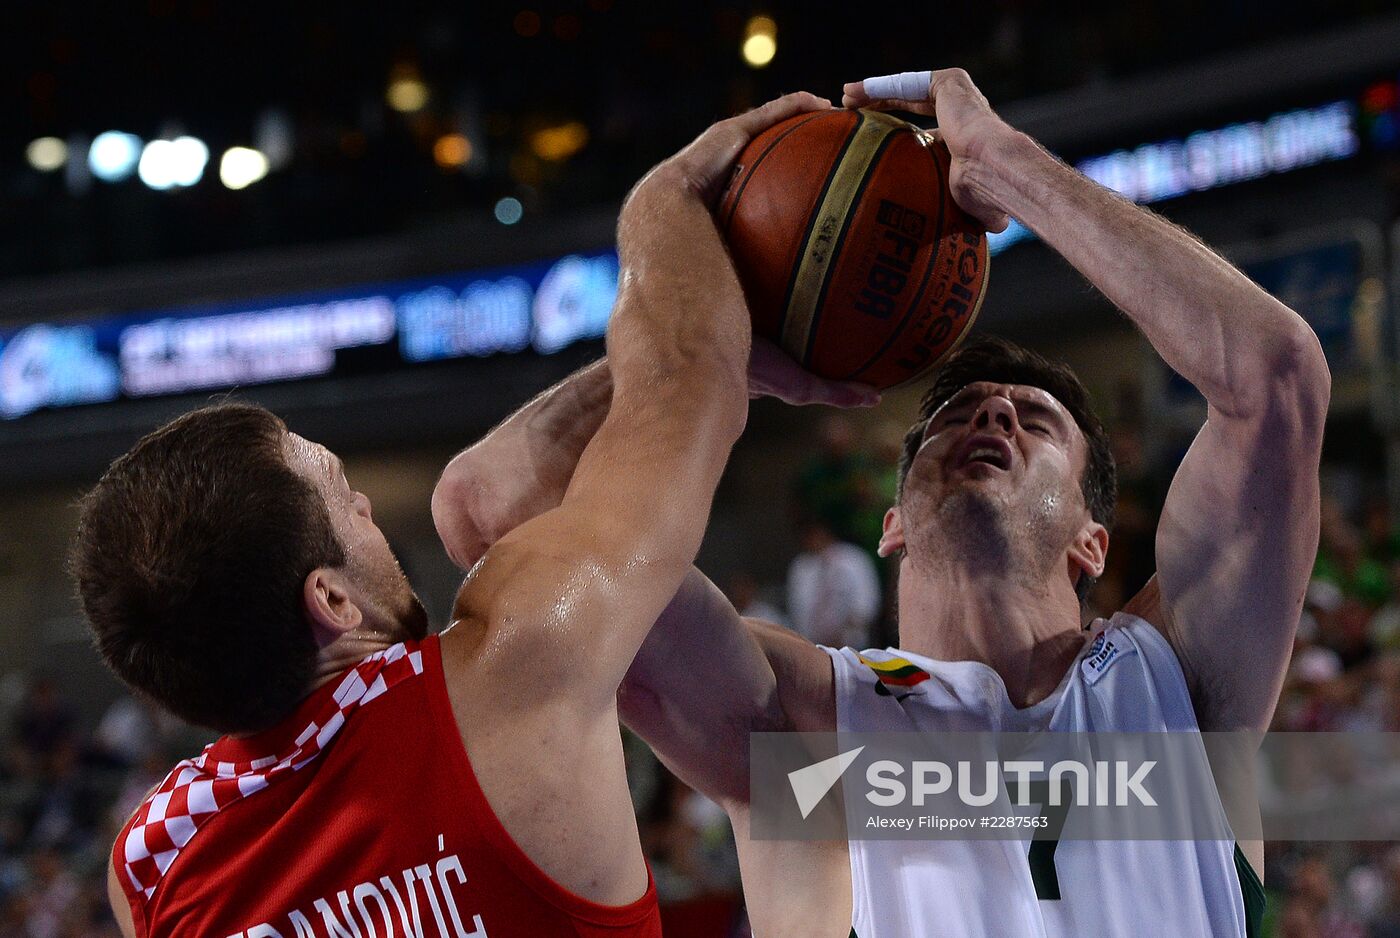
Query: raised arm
x=1239, y=528
x=576, y=588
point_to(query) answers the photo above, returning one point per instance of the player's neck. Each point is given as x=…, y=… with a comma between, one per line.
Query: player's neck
x=349, y=650
x=1029, y=633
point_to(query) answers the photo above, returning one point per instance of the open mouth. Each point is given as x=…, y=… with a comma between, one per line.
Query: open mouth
x=988, y=452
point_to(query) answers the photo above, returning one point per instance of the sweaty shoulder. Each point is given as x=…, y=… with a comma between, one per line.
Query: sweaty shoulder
x=806, y=681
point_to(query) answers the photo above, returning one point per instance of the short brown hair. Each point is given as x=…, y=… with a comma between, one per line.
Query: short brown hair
x=989, y=358
x=189, y=560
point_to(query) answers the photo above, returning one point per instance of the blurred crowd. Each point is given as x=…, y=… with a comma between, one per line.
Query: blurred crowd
x=66, y=787
x=65, y=791
x=1345, y=677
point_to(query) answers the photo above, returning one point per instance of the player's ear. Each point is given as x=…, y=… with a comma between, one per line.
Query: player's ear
x=325, y=596
x=892, y=537
x=1089, y=550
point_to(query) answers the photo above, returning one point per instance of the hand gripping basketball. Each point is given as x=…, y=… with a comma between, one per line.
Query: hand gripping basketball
x=966, y=123
x=706, y=162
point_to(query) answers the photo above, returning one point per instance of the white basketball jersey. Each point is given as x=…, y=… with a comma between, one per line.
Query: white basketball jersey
x=1127, y=680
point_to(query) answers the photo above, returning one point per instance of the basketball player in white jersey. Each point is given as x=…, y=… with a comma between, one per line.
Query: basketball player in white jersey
x=1000, y=526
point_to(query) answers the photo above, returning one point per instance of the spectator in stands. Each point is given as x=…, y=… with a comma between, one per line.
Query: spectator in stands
x=126, y=734
x=833, y=589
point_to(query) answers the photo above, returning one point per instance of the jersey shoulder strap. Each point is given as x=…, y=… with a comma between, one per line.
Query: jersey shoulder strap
x=1133, y=672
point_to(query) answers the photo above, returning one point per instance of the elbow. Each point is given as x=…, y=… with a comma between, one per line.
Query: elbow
x=456, y=508
x=1303, y=367
x=1293, y=388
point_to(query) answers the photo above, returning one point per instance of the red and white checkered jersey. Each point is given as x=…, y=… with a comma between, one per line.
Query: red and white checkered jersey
x=359, y=815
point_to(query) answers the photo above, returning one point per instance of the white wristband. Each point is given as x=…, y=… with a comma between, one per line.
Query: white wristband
x=906, y=86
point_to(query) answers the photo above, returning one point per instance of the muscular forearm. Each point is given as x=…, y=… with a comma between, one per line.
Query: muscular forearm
x=522, y=467
x=681, y=327
x=1206, y=319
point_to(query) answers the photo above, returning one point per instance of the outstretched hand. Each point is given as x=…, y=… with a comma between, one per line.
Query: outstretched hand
x=773, y=373
x=966, y=123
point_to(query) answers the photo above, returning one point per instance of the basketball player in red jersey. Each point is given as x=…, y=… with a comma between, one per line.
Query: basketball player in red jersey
x=374, y=780
x=1000, y=526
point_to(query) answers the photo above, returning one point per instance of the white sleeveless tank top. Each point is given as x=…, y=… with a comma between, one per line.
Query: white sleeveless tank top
x=1127, y=680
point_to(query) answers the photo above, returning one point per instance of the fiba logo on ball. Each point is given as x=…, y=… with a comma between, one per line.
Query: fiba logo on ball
x=852, y=253
x=890, y=272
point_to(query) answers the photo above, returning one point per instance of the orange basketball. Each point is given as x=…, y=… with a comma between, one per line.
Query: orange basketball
x=853, y=255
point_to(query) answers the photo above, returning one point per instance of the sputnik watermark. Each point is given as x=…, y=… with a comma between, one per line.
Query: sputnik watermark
x=1003, y=786
x=890, y=783
x=1116, y=784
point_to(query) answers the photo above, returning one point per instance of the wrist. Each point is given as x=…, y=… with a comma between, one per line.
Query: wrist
x=661, y=188
x=649, y=212
x=1002, y=162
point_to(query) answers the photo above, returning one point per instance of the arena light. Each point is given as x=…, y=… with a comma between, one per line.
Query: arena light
x=166, y=164
x=46, y=154
x=452, y=151
x=157, y=165
x=240, y=167
x=191, y=156
x=406, y=93
x=113, y=155
x=509, y=210
x=559, y=143
x=760, y=41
